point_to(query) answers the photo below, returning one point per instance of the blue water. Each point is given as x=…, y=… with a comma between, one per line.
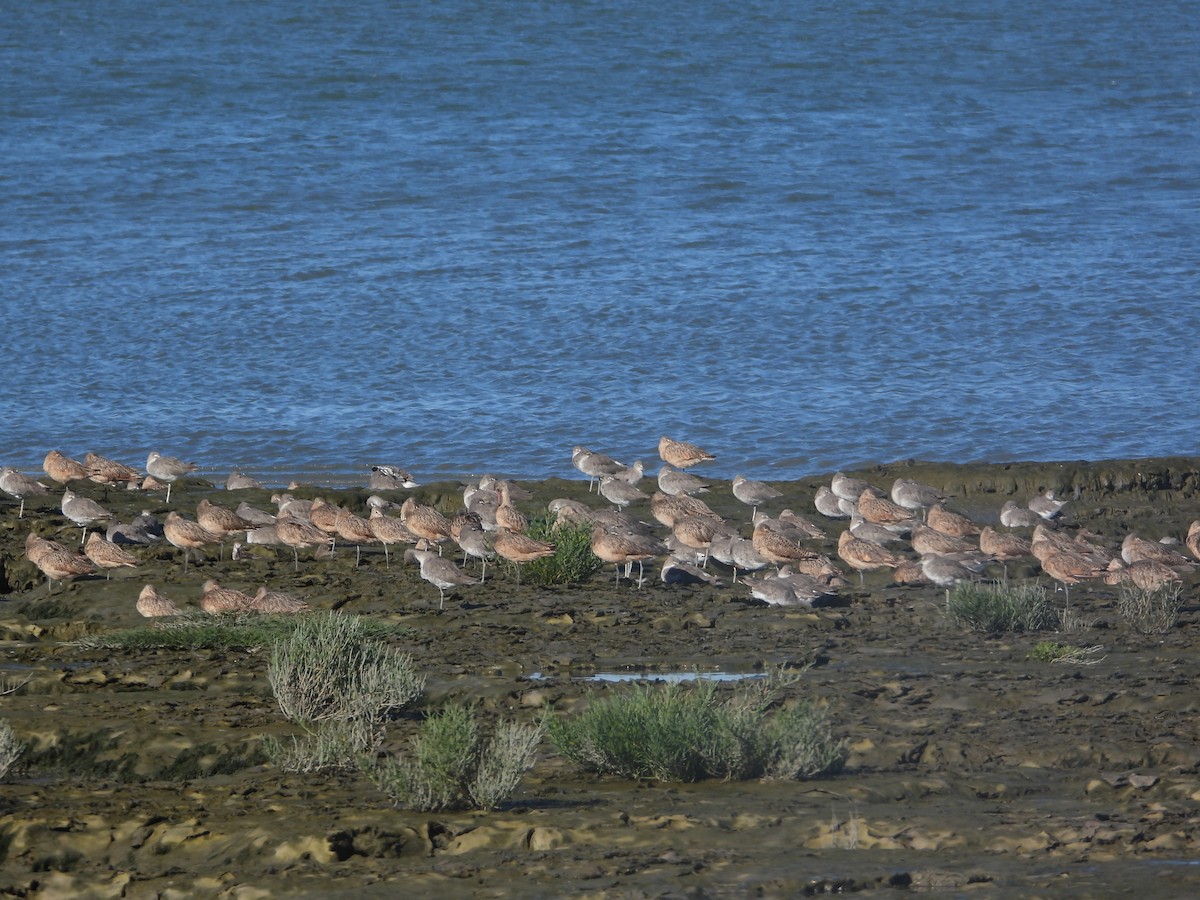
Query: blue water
x=301, y=238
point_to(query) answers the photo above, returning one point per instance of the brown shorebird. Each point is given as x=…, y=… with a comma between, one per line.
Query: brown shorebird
x=217, y=600
x=914, y=496
x=929, y=541
x=507, y=515
x=595, y=465
x=296, y=533
x=753, y=493
x=619, y=493
x=778, y=548
x=875, y=507
x=151, y=603
x=949, y=522
x=865, y=556
x=103, y=470
x=425, y=522
x=442, y=573
x=389, y=531
x=63, y=565
x=667, y=509
x=1003, y=547
x=1047, y=506
x=37, y=546
x=1068, y=568
x=1193, y=538
x=108, y=555
x=186, y=534
x=82, y=511
x=698, y=532
x=800, y=525
x=324, y=516
x=681, y=454
x=275, y=602
x=167, y=469
x=20, y=486
x=624, y=550
x=221, y=521
x=909, y=572
x=356, y=530
x=519, y=549
x=1147, y=574
x=63, y=469
x=239, y=481
x=674, y=482
x=1135, y=548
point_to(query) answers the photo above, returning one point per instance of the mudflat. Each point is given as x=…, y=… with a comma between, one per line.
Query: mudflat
x=975, y=769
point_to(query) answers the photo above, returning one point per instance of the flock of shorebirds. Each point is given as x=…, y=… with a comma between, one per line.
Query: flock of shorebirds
x=910, y=530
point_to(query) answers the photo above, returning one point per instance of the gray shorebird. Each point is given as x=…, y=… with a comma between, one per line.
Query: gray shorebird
x=753, y=493
x=20, y=486
x=167, y=469
x=442, y=573
x=83, y=511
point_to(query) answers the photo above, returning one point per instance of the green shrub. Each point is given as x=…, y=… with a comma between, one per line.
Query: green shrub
x=1053, y=652
x=573, y=561
x=340, y=687
x=453, y=766
x=1150, y=611
x=10, y=747
x=999, y=608
x=684, y=733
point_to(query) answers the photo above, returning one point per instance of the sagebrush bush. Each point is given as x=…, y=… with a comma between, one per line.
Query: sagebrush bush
x=1150, y=611
x=10, y=747
x=999, y=608
x=340, y=686
x=679, y=733
x=453, y=765
x=573, y=561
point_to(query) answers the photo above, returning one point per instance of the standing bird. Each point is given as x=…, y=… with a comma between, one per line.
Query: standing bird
x=1047, y=506
x=356, y=530
x=63, y=565
x=20, y=486
x=63, y=469
x=186, y=534
x=108, y=555
x=151, y=603
x=519, y=549
x=167, y=469
x=623, y=549
x=82, y=511
x=438, y=571
x=507, y=515
x=949, y=522
x=681, y=454
x=388, y=531
x=753, y=493
x=296, y=533
x=674, y=482
x=914, y=496
x=103, y=470
x=474, y=543
x=595, y=465
x=619, y=493
x=425, y=522
x=865, y=556
x=221, y=521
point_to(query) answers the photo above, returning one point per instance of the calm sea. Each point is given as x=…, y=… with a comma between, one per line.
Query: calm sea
x=302, y=238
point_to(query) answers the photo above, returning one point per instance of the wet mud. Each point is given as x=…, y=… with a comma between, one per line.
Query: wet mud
x=974, y=770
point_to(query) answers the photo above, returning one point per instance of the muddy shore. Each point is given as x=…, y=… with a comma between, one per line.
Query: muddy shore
x=974, y=770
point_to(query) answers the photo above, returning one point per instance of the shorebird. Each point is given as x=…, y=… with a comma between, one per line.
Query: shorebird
x=1069, y=568
x=698, y=533
x=947, y=571
x=356, y=530
x=1047, y=506
x=674, y=482
x=253, y=514
x=875, y=507
x=186, y=534
x=1135, y=548
x=745, y=558
x=1193, y=538
x=632, y=474
x=390, y=478
x=810, y=590
x=438, y=571
x=1147, y=574
x=927, y=541
x=869, y=531
x=595, y=465
x=620, y=493
x=624, y=550
x=239, y=481
x=324, y=516
x=221, y=521
x=914, y=496
x=773, y=590
x=1003, y=547
x=108, y=555
x=37, y=546
x=949, y=522
x=151, y=603
x=753, y=493
x=1014, y=516
x=62, y=565
x=389, y=531
x=681, y=454
x=216, y=600
x=474, y=543
x=678, y=572
x=277, y=602
x=20, y=486
x=292, y=506
x=778, y=548
x=800, y=525
x=507, y=515
x=865, y=556
x=519, y=549
x=63, y=469
x=828, y=504
x=667, y=509
x=846, y=488
x=103, y=470
x=82, y=511
x=296, y=533
x=167, y=469
x=425, y=522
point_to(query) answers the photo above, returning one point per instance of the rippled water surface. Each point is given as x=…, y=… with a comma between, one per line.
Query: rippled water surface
x=302, y=238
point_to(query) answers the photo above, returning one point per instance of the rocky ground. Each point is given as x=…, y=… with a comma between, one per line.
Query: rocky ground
x=974, y=770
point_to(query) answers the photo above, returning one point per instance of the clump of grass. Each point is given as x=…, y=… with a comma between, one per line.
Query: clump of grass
x=1056, y=652
x=999, y=608
x=678, y=733
x=200, y=631
x=573, y=561
x=1150, y=611
x=453, y=765
x=339, y=686
x=11, y=747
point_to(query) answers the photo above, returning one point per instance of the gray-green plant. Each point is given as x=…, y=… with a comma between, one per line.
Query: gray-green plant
x=339, y=686
x=1150, y=611
x=11, y=747
x=1000, y=608
x=680, y=733
x=1057, y=652
x=573, y=561
x=453, y=764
